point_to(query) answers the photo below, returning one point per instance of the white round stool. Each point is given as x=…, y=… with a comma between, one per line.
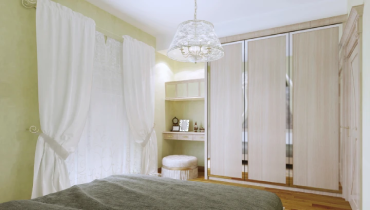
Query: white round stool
x=180, y=167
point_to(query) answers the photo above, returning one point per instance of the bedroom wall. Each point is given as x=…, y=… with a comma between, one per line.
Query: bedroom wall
x=185, y=71
x=164, y=73
x=193, y=110
x=18, y=87
x=18, y=99
x=170, y=70
x=351, y=3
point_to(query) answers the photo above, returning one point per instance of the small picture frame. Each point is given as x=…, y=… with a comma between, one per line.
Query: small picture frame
x=184, y=125
x=175, y=128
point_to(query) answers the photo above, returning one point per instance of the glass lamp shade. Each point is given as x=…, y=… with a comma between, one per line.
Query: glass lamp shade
x=195, y=41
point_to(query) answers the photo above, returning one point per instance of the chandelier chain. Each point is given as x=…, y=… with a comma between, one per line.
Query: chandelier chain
x=195, y=12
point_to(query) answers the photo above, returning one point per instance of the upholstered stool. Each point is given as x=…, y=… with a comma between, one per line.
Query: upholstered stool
x=180, y=167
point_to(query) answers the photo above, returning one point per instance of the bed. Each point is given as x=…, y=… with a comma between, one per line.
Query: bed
x=150, y=192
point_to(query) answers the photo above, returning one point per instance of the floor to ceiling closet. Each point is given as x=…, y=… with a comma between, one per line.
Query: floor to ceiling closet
x=285, y=109
x=273, y=110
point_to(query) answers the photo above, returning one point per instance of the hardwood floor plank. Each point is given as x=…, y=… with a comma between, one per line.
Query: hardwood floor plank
x=292, y=200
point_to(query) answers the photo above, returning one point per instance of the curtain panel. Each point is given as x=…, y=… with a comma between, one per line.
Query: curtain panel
x=105, y=148
x=138, y=91
x=65, y=53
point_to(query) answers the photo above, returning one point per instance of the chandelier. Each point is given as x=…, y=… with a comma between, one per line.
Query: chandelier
x=195, y=41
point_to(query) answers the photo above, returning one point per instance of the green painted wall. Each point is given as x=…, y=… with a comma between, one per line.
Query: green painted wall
x=351, y=3
x=107, y=21
x=164, y=72
x=170, y=70
x=192, y=110
x=18, y=99
x=18, y=87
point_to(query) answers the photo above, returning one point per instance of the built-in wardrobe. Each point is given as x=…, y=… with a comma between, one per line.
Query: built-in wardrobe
x=273, y=110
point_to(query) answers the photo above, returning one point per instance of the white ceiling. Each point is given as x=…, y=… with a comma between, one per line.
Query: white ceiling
x=161, y=17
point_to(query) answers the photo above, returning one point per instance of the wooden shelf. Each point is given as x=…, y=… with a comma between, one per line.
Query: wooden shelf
x=185, y=99
x=185, y=90
x=185, y=136
x=182, y=132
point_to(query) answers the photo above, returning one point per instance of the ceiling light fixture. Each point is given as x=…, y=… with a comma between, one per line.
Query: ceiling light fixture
x=195, y=41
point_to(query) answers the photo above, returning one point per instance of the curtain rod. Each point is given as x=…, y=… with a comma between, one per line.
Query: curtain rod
x=109, y=34
x=29, y=4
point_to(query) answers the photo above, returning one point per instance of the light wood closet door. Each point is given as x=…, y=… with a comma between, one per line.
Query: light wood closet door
x=267, y=68
x=315, y=105
x=354, y=129
x=226, y=108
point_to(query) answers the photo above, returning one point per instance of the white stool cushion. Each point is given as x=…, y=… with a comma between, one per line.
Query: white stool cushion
x=180, y=167
x=180, y=161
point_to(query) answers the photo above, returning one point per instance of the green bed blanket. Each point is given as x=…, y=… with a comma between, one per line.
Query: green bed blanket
x=149, y=192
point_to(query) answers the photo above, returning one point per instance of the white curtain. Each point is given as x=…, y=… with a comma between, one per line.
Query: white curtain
x=138, y=92
x=105, y=148
x=65, y=53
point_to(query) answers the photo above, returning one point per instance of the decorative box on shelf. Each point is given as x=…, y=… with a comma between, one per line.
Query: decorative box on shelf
x=187, y=136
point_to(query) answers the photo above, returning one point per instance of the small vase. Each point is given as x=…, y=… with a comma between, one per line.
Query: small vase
x=201, y=129
x=195, y=127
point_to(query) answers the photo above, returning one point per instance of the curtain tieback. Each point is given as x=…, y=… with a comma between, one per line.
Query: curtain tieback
x=148, y=136
x=55, y=146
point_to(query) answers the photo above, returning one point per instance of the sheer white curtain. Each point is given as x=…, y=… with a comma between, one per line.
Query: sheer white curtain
x=65, y=53
x=105, y=148
x=138, y=88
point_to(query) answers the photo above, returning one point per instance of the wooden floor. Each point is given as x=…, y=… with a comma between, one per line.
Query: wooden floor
x=293, y=200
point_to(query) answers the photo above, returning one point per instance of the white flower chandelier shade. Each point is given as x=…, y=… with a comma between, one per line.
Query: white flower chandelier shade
x=195, y=41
